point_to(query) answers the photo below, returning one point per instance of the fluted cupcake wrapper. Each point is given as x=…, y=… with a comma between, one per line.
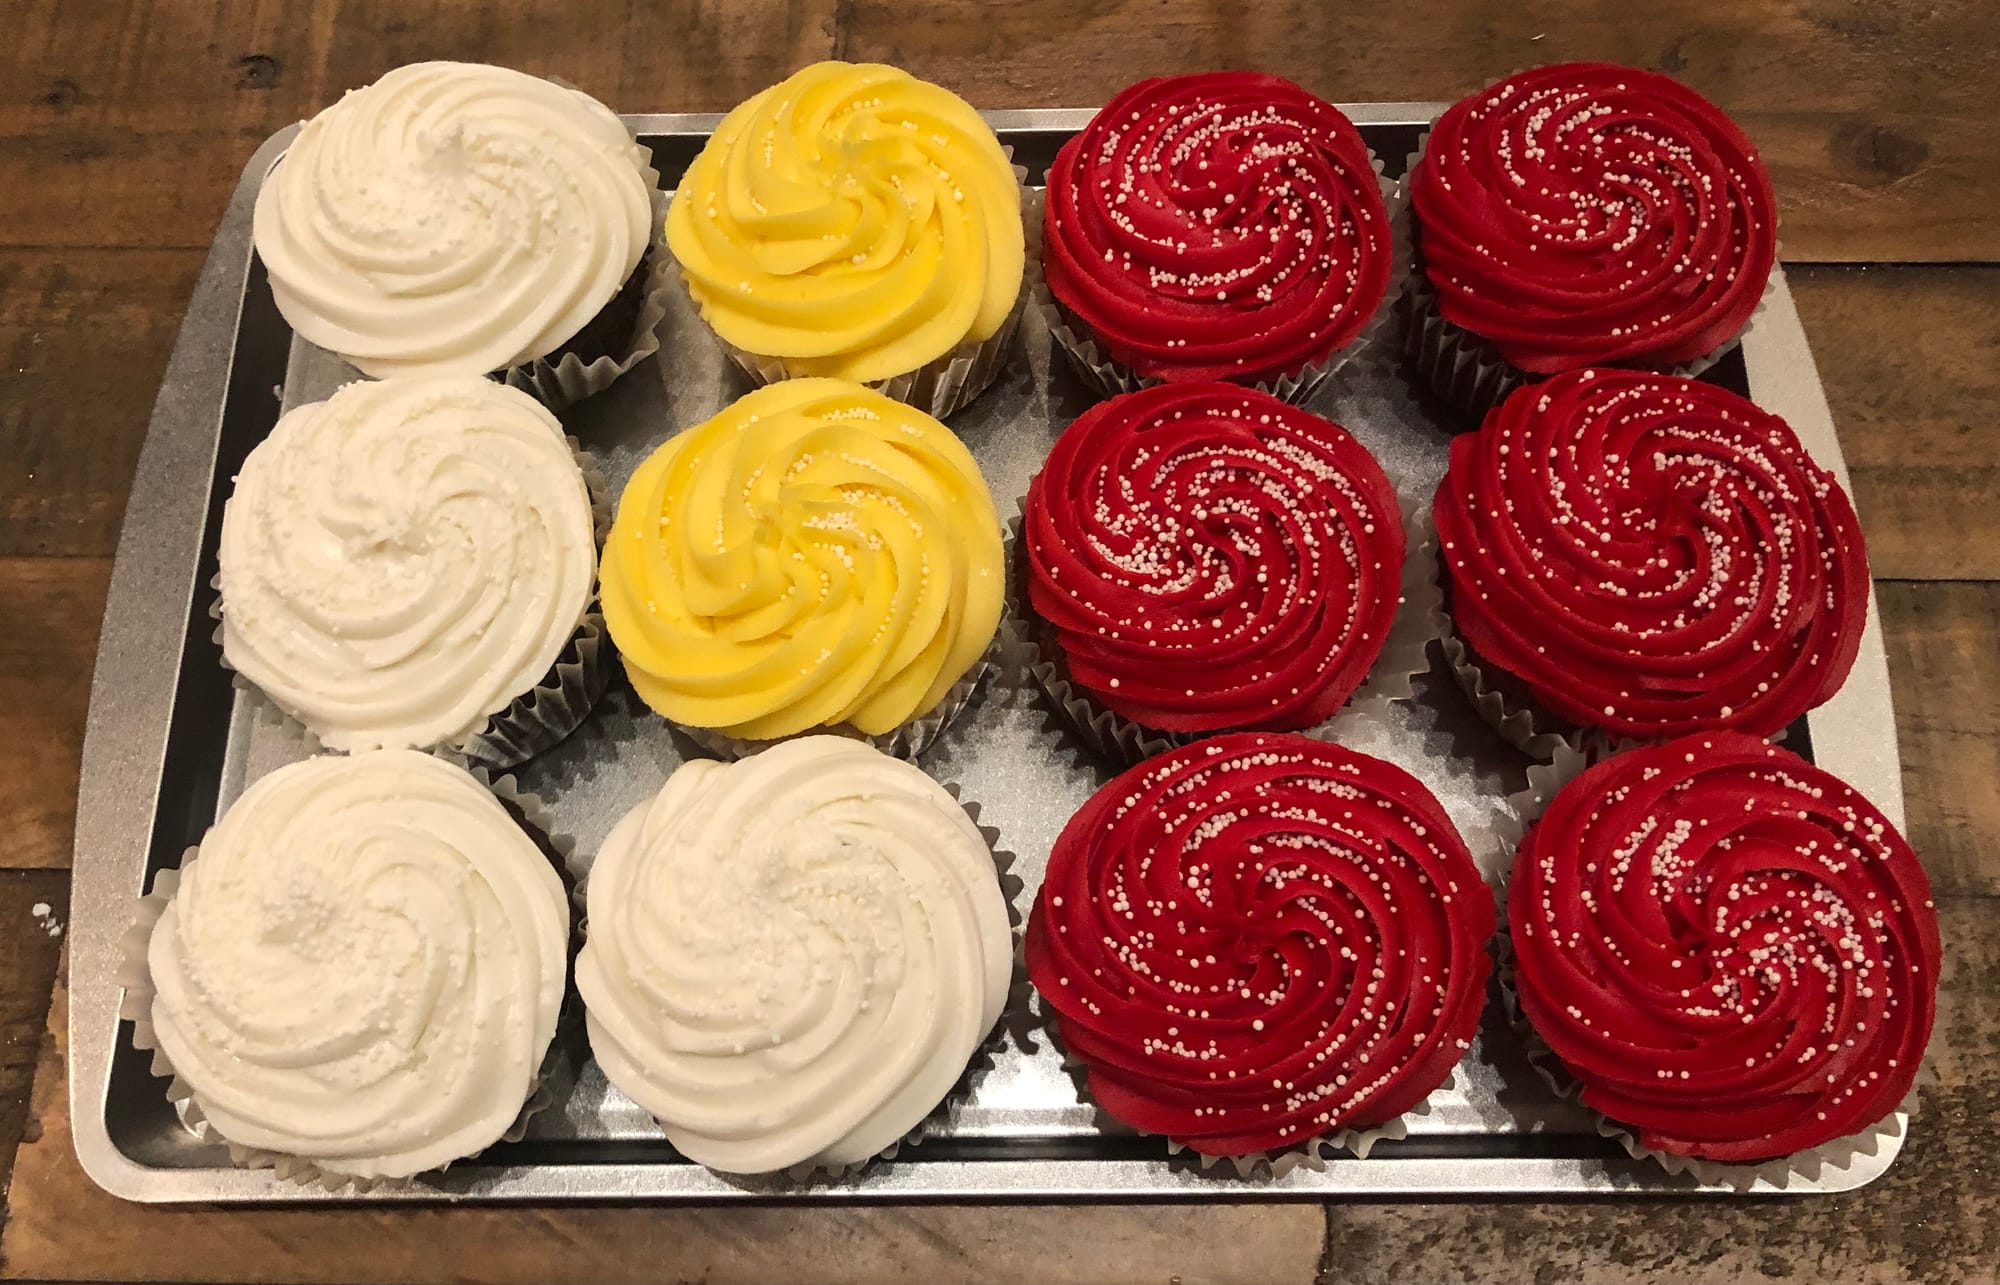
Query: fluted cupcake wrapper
x=1544, y=782
x=908, y=741
x=1466, y=370
x=1038, y=1022
x=1404, y=655
x=136, y=1006
x=1109, y=377
x=567, y=379
x=943, y=385
x=538, y=719
x=983, y=1059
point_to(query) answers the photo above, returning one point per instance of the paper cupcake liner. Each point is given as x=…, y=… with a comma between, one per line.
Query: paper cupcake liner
x=1544, y=782
x=566, y=379
x=538, y=719
x=1404, y=655
x=908, y=741
x=136, y=1006
x=1039, y=1022
x=939, y=387
x=1466, y=370
x=1109, y=377
x=983, y=1059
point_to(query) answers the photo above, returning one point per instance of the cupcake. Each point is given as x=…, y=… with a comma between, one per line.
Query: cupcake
x=358, y=973
x=1645, y=555
x=857, y=223
x=1731, y=952
x=1204, y=557
x=1261, y=943
x=459, y=219
x=791, y=960
x=1583, y=215
x=1224, y=226
x=410, y=564
x=816, y=556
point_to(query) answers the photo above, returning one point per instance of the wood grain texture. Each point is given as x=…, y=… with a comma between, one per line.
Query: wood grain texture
x=1875, y=116
x=61, y=1227
x=1931, y=1217
x=1944, y=673
x=160, y=104
x=1910, y=358
x=84, y=338
x=48, y=642
x=30, y=944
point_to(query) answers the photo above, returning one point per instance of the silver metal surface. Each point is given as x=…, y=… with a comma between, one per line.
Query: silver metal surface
x=1021, y=1130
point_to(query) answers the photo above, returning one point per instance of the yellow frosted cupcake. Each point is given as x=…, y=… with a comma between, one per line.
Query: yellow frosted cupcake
x=858, y=223
x=816, y=556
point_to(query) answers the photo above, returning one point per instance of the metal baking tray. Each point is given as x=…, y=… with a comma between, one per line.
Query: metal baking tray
x=170, y=743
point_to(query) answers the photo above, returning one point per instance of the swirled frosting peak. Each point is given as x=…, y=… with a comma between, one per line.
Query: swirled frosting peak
x=1210, y=557
x=1587, y=214
x=1652, y=555
x=792, y=958
x=1259, y=940
x=453, y=218
x=816, y=554
x=852, y=220
x=1732, y=951
x=1227, y=225
x=405, y=558
x=363, y=965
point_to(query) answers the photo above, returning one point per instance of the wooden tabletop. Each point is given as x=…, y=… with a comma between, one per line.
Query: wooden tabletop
x=124, y=124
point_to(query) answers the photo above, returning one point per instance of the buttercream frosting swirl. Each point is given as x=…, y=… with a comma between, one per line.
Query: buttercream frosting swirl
x=792, y=958
x=363, y=965
x=853, y=220
x=1652, y=555
x=1258, y=940
x=1587, y=214
x=1732, y=951
x=405, y=558
x=1210, y=557
x=1227, y=225
x=816, y=554
x=453, y=218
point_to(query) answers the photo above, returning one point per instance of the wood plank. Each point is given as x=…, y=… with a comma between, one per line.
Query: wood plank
x=1944, y=671
x=62, y=1227
x=1933, y=1216
x=1870, y=161
x=84, y=338
x=128, y=122
x=48, y=645
x=34, y=911
x=1908, y=358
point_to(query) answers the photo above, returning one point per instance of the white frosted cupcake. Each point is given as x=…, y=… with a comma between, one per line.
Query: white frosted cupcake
x=411, y=564
x=456, y=218
x=791, y=959
x=359, y=971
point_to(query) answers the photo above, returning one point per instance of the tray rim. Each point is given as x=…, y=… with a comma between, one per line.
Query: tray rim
x=131, y=708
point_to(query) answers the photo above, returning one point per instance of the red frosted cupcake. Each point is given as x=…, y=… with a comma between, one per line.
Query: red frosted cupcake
x=1205, y=557
x=1261, y=941
x=1584, y=215
x=1219, y=226
x=1732, y=952
x=1646, y=555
